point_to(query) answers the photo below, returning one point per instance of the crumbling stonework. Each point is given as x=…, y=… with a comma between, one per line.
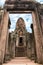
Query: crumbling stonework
x=28, y=41
x=33, y=42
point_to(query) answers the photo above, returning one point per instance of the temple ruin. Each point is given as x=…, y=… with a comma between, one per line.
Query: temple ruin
x=12, y=43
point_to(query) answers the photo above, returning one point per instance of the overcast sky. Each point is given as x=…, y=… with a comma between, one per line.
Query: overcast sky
x=14, y=17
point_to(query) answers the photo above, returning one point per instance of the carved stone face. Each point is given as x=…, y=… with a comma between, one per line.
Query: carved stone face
x=20, y=20
x=20, y=33
x=20, y=26
x=20, y=23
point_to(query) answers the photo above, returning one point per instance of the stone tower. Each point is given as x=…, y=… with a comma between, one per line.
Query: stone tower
x=18, y=39
x=20, y=32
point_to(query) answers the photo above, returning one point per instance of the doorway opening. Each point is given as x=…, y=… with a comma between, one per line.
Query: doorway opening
x=20, y=41
x=22, y=33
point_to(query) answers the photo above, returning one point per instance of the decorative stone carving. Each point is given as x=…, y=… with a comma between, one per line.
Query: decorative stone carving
x=26, y=6
x=20, y=30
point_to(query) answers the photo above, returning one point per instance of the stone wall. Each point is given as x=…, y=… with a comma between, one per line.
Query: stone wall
x=4, y=34
x=35, y=8
x=1, y=20
x=31, y=47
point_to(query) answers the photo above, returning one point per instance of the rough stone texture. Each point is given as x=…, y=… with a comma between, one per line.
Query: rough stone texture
x=1, y=20
x=38, y=38
x=4, y=34
x=21, y=61
x=29, y=42
x=20, y=6
x=20, y=32
x=41, y=25
x=29, y=46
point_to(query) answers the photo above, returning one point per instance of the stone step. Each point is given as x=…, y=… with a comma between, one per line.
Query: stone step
x=20, y=52
x=21, y=61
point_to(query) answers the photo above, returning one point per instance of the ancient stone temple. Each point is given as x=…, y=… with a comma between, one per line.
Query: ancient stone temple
x=19, y=38
x=21, y=43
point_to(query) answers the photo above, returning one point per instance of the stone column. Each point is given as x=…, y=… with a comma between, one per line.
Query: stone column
x=1, y=23
x=29, y=52
x=24, y=40
x=17, y=41
x=38, y=36
x=41, y=25
x=13, y=50
x=4, y=34
x=7, y=54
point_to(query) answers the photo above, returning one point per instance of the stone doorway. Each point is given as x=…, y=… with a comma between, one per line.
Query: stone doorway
x=35, y=30
x=20, y=41
x=20, y=50
x=23, y=45
x=24, y=8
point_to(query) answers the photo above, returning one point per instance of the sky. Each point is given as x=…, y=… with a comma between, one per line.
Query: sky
x=14, y=17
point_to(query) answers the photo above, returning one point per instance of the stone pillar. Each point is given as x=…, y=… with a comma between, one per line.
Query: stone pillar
x=13, y=50
x=29, y=52
x=4, y=34
x=24, y=40
x=7, y=54
x=33, y=45
x=17, y=41
x=1, y=23
x=38, y=37
x=41, y=25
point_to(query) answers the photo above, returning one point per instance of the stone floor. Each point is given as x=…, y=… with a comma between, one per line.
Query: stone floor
x=21, y=61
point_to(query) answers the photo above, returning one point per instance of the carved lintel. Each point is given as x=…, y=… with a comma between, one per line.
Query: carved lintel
x=20, y=5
